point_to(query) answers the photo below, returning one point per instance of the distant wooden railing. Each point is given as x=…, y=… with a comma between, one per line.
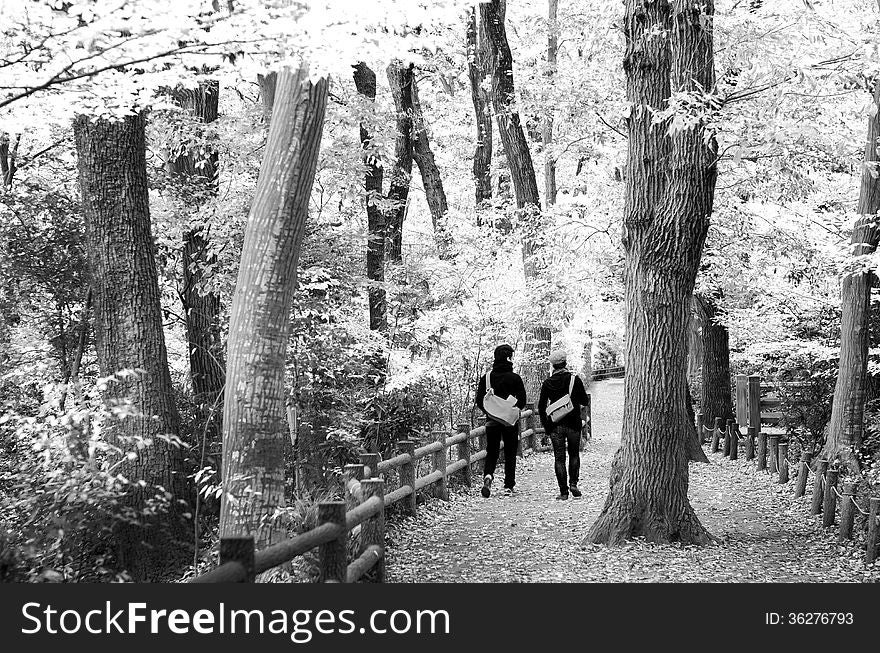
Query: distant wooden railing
x=362, y=514
x=608, y=373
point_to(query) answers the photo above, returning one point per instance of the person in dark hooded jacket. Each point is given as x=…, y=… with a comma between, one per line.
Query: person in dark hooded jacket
x=566, y=433
x=505, y=383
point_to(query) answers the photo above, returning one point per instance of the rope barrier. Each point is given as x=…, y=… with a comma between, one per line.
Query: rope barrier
x=841, y=497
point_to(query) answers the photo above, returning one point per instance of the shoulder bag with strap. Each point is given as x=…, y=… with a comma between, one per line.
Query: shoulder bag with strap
x=562, y=406
x=503, y=411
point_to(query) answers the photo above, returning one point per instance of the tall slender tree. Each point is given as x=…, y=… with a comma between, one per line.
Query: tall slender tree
x=128, y=320
x=669, y=189
x=536, y=348
x=255, y=420
x=365, y=82
x=195, y=172
x=478, y=69
x=846, y=428
x=400, y=79
x=547, y=131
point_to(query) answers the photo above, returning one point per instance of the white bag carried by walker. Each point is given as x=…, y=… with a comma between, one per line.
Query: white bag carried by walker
x=562, y=406
x=503, y=411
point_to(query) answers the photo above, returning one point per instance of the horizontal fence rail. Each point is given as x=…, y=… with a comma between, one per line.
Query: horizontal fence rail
x=361, y=516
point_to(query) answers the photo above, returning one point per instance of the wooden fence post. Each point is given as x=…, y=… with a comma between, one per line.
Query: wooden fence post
x=726, y=446
x=830, y=498
x=774, y=453
x=871, y=539
x=754, y=394
x=407, y=475
x=240, y=550
x=733, y=429
x=847, y=512
x=441, y=491
x=370, y=462
x=782, y=462
x=333, y=554
x=481, y=439
x=350, y=472
x=716, y=435
x=800, y=488
x=750, y=443
x=464, y=453
x=373, y=530
x=816, y=506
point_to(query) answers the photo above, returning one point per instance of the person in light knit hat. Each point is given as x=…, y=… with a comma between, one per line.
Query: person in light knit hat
x=565, y=430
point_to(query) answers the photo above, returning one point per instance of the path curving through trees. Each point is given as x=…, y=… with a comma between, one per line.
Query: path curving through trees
x=765, y=534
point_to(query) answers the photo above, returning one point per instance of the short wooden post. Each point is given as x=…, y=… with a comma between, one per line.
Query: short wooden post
x=240, y=550
x=725, y=449
x=800, y=488
x=441, y=491
x=782, y=462
x=716, y=435
x=818, y=482
x=373, y=530
x=847, y=513
x=333, y=554
x=774, y=453
x=699, y=424
x=762, y=451
x=481, y=439
x=407, y=475
x=871, y=539
x=350, y=472
x=754, y=393
x=733, y=429
x=370, y=462
x=464, y=453
x=750, y=443
x=830, y=502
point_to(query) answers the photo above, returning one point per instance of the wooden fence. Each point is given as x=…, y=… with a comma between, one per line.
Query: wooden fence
x=757, y=407
x=608, y=373
x=362, y=514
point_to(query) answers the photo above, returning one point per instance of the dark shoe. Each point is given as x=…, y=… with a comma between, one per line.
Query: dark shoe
x=574, y=491
x=562, y=497
x=487, y=483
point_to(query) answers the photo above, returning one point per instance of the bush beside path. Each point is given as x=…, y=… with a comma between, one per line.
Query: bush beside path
x=765, y=534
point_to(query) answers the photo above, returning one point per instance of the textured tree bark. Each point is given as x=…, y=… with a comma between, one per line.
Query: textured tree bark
x=72, y=378
x=547, y=132
x=670, y=179
x=128, y=318
x=365, y=82
x=197, y=175
x=478, y=69
x=846, y=428
x=400, y=79
x=431, y=179
x=255, y=417
x=536, y=350
x=267, y=84
x=716, y=400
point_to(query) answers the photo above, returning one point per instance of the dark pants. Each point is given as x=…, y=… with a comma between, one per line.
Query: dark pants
x=495, y=433
x=562, y=438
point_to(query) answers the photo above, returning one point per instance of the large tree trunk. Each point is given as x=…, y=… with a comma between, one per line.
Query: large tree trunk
x=365, y=82
x=128, y=318
x=847, y=425
x=716, y=400
x=669, y=185
x=478, y=68
x=431, y=179
x=255, y=429
x=197, y=176
x=400, y=79
x=547, y=132
x=535, y=366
